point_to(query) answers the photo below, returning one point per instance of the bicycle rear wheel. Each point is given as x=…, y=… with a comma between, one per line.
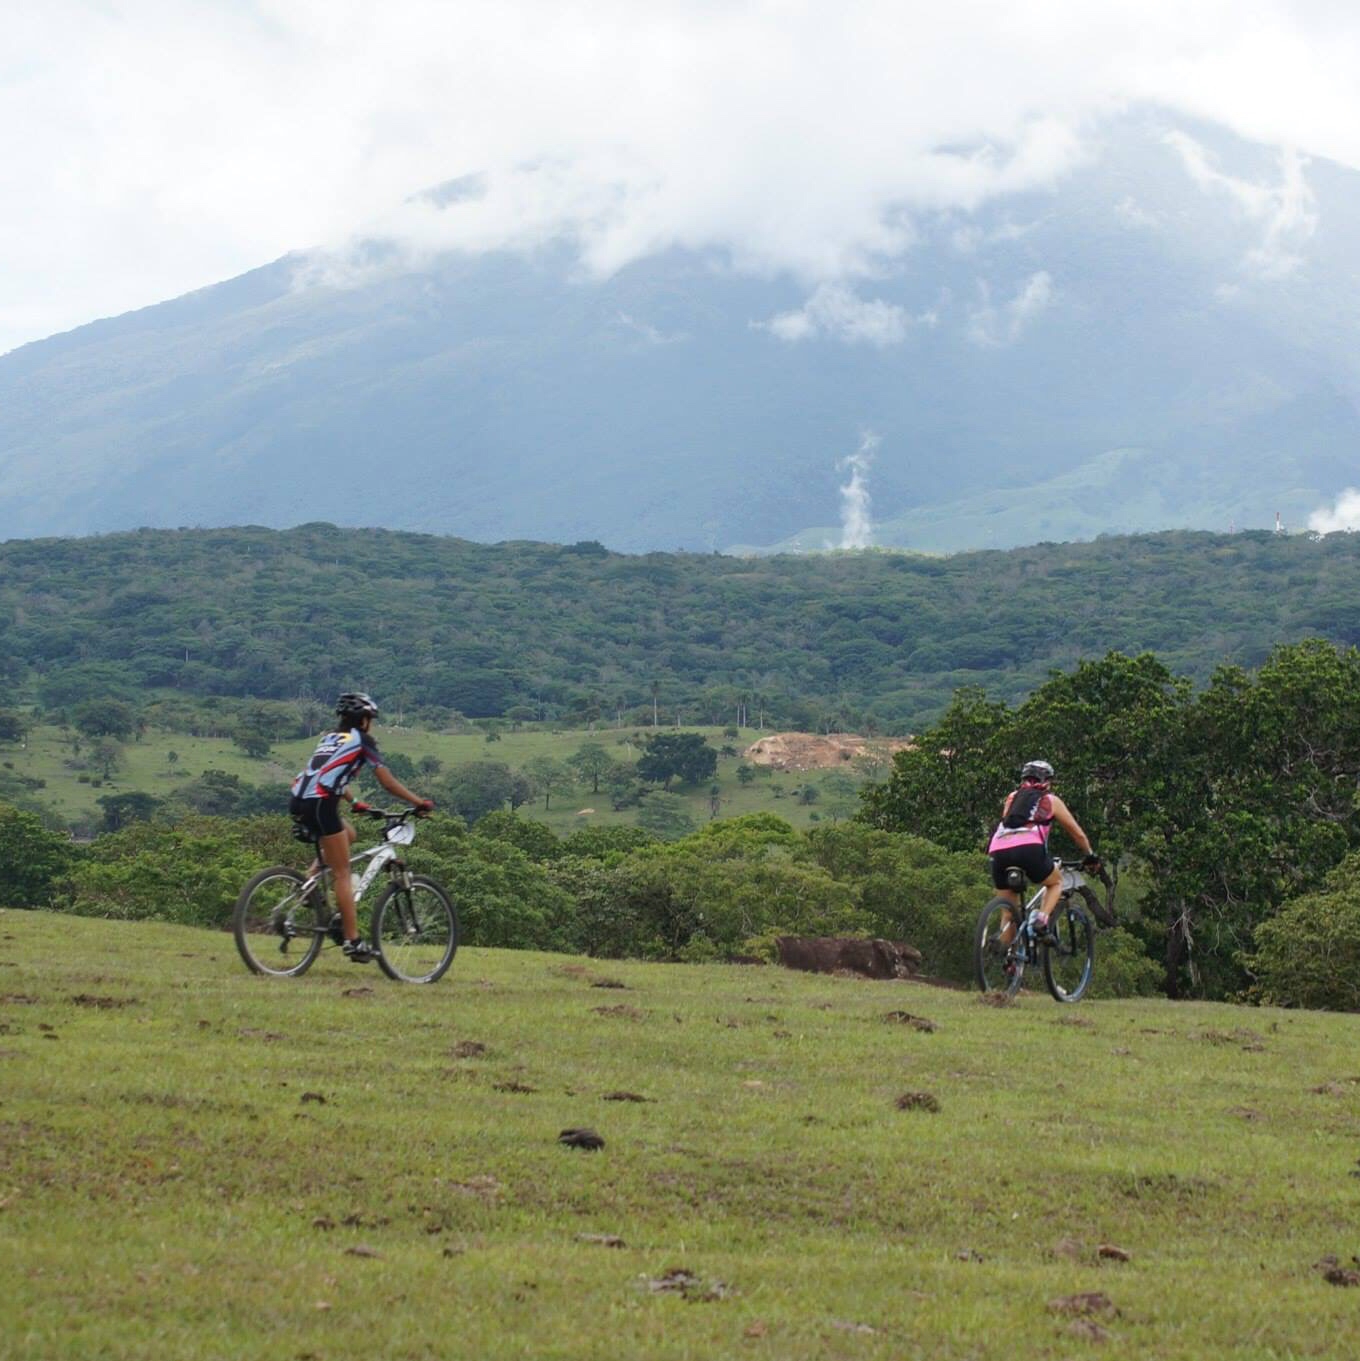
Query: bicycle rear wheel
x=275, y=926
x=1069, y=960
x=998, y=960
x=415, y=930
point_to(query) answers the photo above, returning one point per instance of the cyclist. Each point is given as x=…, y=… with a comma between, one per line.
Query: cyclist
x=1021, y=839
x=315, y=803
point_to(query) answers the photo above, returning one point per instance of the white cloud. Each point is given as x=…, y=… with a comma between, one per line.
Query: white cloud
x=991, y=326
x=1287, y=210
x=838, y=313
x=1344, y=514
x=152, y=146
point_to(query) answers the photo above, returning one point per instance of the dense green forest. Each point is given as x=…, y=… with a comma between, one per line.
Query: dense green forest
x=870, y=640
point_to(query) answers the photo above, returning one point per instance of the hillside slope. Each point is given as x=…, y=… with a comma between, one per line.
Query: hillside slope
x=1138, y=307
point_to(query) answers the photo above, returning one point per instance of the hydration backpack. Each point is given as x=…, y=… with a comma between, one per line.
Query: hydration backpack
x=1024, y=802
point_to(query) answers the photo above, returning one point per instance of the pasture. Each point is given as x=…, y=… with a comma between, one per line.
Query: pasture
x=198, y=1163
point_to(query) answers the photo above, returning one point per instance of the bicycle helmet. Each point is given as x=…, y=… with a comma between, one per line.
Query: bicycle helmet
x=1039, y=772
x=356, y=704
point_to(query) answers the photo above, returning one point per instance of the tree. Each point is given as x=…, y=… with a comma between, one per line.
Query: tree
x=253, y=741
x=12, y=728
x=476, y=788
x=590, y=761
x=35, y=859
x=745, y=773
x=665, y=816
x=546, y=775
x=107, y=755
x=121, y=809
x=105, y=718
x=429, y=765
x=683, y=756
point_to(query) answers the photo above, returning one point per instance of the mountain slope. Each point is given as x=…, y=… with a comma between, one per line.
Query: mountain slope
x=679, y=403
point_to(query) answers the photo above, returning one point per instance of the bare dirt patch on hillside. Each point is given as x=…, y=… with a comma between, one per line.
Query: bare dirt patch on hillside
x=809, y=751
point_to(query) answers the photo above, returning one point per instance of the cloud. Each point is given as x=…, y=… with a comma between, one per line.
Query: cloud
x=1344, y=514
x=838, y=313
x=1287, y=210
x=991, y=326
x=155, y=146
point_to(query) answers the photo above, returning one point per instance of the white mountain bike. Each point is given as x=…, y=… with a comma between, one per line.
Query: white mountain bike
x=283, y=918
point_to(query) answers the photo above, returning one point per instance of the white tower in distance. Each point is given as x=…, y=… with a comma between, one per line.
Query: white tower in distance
x=1279, y=524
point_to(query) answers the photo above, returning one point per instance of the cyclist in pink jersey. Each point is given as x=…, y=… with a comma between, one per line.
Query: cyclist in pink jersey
x=318, y=790
x=1021, y=840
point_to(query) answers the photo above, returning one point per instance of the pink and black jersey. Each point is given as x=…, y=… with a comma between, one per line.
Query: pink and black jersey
x=1033, y=830
x=335, y=762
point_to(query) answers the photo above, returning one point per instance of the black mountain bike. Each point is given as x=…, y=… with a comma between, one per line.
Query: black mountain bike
x=1006, y=943
x=283, y=918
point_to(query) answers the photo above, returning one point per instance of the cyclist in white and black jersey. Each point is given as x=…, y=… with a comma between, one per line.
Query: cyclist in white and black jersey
x=318, y=789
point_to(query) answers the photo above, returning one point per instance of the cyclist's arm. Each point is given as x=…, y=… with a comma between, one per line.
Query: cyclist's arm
x=394, y=786
x=1062, y=815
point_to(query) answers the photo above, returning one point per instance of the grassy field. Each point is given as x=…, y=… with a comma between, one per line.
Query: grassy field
x=198, y=1163
x=146, y=766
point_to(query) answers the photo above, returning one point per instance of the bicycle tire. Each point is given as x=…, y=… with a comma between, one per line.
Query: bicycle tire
x=270, y=916
x=997, y=965
x=1069, y=962
x=415, y=931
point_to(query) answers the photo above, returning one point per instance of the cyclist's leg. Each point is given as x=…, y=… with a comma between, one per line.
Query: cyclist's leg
x=1052, y=892
x=1000, y=864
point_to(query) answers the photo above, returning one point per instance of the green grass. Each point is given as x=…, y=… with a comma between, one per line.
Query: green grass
x=47, y=755
x=167, y=1188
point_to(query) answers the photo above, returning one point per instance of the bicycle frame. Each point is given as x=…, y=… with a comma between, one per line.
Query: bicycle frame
x=380, y=857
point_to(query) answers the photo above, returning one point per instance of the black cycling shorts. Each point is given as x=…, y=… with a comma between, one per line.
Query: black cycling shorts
x=321, y=817
x=1034, y=860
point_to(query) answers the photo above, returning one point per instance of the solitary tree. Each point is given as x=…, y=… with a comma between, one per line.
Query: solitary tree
x=591, y=761
x=683, y=756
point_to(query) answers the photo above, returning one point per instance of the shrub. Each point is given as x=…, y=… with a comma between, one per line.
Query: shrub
x=1123, y=967
x=1308, y=954
x=34, y=859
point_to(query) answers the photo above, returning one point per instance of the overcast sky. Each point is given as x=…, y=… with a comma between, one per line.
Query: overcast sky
x=148, y=147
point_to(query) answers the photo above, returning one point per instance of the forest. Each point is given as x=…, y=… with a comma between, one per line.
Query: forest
x=869, y=641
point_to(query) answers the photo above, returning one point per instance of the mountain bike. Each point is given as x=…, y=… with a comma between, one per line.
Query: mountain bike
x=283, y=918
x=1006, y=944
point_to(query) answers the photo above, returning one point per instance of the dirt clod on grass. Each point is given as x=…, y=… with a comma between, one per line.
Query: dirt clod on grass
x=310, y=1097
x=625, y=1096
x=1088, y=1330
x=680, y=1281
x=580, y=1138
x=996, y=999
x=323, y=1222
x=468, y=1049
x=609, y=983
x=356, y=992
x=513, y=1086
x=922, y=1023
x=919, y=1101
x=362, y=1250
x=1070, y=1248
x=1084, y=1305
x=85, y=999
x=603, y=1240
x=1328, y=1089
x=1110, y=1252
x=622, y=1010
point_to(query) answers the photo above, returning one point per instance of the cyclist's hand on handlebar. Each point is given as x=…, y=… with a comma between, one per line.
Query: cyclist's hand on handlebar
x=424, y=807
x=360, y=806
x=1091, y=861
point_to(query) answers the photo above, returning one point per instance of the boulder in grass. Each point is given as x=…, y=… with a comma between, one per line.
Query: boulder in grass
x=849, y=954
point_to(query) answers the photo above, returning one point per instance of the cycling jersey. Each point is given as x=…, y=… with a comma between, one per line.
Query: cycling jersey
x=1033, y=832
x=336, y=761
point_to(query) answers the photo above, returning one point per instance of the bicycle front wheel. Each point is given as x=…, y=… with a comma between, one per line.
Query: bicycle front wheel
x=998, y=962
x=275, y=926
x=415, y=931
x=1069, y=960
